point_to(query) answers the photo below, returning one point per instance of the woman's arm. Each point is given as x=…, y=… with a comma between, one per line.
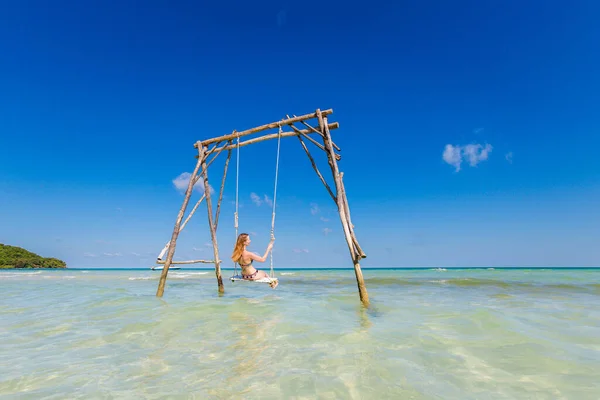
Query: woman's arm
x=258, y=258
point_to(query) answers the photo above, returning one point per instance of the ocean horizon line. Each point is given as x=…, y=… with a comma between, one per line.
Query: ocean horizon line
x=439, y=268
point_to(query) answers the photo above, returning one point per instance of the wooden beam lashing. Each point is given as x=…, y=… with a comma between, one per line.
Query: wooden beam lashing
x=264, y=127
x=342, y=210
x=176, y=229
x=319, y=145
x=313, y=141
x=314, y=165
x=213, y=231
x=209, y=152
x=259, y=139
x=335, y=146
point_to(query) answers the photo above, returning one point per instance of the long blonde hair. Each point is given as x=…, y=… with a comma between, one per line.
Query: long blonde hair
x=238, y=250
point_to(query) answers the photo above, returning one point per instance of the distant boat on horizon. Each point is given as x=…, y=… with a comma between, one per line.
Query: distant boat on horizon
x=160, y=268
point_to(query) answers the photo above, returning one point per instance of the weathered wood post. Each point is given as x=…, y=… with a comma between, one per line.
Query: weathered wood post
x=212, y=226
x=176, y=229
x=344, y=211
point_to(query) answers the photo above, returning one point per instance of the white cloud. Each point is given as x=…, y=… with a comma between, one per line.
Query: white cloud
x=268, y=201
x=476, y=153
x=509, y=157
x=197, y=249
x=327, y=231
x=112, y=254
x=135, y=254
x=324, y=219
x=300, y=250
x=183, y=180
x=256, y=199
x=314, y=208
x=452, y=156
x=471, y=153
x=89, y=255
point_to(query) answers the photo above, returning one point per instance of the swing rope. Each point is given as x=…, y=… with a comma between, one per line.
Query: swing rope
x=237, y=178
x=272, y=275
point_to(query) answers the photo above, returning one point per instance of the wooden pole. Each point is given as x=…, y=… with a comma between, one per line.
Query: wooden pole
x=333, y=125
x=341, y=197
x=176, y=229
x=344, y=202
x=359, y=250
x=271, y=125
x=191, y=213
x=314, y=165
x=213, y=231
x=182, y=226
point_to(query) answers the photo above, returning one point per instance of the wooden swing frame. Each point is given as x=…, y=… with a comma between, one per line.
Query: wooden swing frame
x=225, y=142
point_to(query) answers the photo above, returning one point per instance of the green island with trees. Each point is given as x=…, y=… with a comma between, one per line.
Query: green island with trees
x=17, y=257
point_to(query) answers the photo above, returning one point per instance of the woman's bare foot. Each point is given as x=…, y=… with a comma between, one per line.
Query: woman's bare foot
x=274, y=284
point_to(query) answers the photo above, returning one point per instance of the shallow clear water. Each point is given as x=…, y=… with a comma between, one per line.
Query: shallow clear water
x=429, y=334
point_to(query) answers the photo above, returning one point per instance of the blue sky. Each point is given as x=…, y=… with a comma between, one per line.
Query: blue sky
x=469, y=130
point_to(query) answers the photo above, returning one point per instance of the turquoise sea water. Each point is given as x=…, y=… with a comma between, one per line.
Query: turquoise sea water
x=429, y=334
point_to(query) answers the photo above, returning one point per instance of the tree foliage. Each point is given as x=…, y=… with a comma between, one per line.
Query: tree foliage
x=17, y=257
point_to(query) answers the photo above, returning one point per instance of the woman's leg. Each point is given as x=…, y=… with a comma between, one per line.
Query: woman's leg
x=262, y=274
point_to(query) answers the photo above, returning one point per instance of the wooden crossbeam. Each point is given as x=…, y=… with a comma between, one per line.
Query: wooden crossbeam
x=333, y=125
x=263, y=127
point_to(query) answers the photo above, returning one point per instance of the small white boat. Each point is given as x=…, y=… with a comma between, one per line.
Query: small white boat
x=160, y=268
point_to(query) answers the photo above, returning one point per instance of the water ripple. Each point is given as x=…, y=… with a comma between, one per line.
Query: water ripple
x=432, y=334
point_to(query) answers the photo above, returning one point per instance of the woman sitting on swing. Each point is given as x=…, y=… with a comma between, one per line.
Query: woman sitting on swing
x=245, y=259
